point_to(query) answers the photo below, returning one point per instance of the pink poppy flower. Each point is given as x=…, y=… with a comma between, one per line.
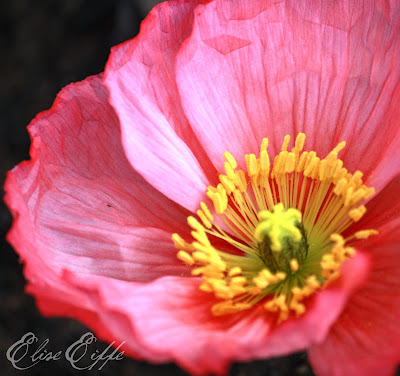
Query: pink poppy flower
x=279, y=249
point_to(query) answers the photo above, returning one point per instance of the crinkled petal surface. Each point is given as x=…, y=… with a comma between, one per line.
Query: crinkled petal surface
x=269, y=68
x=170, y=319
x=157, y=138
x=365, y=340
x=78, y=203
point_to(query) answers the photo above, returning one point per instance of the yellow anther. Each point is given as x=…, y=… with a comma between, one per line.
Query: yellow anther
x=285, y=144
x=201, y=258
x=357, y=196
x=339, y=147
x=369, y=192
x=194, y=223
x=266, y=275
x=280, y=276
x=348, y=196
x=281, y=162
x=350, y=252
x=216, y=262
x=356, y=178
x=207, y=271
x=229, y=171
x=201, y=237
x=298, y=307
x=264, y=145
x=230, y=159
x=338, y=165
x=264, y=162
x=238, y=281
x=278, y=226
x=299, y=143
x=223, y=292
x=312, y=167
x=328, y=265
x=365, y=234
x=260, y=282
x=278, y=304
x=340, y=187
x=338, y=239
x=205, y=287
x=251, y=163
x=238, y=197
x=237, y=290
x=315, y=172
x=254, y=291
x=289, y=165
x=356, y=214
x=227, y=183
x=297, y=293
x=202, y=248
x=312, y=282
x=236, y=270
x=198, y=271
x=203, y=218
x=310, y=156
x=219, y=198
x=216, y=282
x=328, y=260
x=323, y=170
x=241, y=179
x=264, y=278
x=180, y=243
x=302, y=161
x=294, y=265
x=221, y=189
x=185, y=257
x=342, y=173
x=228, y=307
x=206, y=211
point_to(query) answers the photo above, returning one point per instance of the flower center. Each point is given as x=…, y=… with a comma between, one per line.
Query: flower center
x=275, y=238
x=281, y=238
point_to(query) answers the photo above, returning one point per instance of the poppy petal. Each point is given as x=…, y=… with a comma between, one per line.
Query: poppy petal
x=178, y=313
x=157, y=138
x=78, y=202
x=365, y=340
x=289, y=67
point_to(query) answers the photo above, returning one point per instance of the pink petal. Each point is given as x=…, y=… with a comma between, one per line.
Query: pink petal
x=157, y=138
x=78, y=203
x=273, y=68
x=365, y=340
x=170, y=319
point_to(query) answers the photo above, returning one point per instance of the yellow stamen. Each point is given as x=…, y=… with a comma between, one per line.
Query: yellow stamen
x=229, y=158
x=365, y=234
x=180, y=243
x=282, y=222
x=206, y=211
x=204, y=219
x=294, y=265
x=185, y=257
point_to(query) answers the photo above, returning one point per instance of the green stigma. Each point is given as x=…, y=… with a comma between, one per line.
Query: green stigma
x=279, y=225
x=281, y=237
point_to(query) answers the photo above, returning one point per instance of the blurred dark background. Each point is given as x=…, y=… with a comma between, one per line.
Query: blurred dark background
x=46, y=44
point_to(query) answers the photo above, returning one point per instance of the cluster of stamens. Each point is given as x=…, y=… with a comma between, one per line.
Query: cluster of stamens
x=273, y=234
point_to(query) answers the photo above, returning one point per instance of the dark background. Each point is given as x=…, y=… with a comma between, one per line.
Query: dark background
x=46, y=44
